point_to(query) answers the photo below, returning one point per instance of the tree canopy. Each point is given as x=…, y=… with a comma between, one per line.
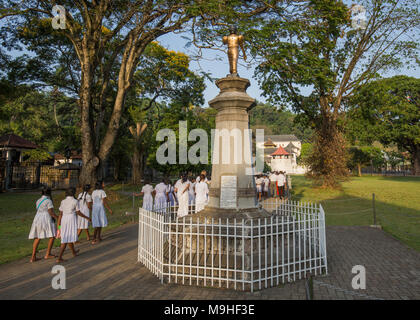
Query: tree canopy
x=388, y=110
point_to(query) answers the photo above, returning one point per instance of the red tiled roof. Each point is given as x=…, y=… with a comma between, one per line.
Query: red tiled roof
x=280, y=152
x=14, y=141
x=74, y=155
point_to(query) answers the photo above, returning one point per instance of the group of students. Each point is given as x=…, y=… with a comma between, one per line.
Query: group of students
x=273, y=184
x=185, y=193
x=74, y=217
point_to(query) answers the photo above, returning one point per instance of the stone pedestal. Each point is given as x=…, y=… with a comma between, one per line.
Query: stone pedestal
x=232, y=187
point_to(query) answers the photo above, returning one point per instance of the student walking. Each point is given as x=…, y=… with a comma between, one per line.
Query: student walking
x=99, y=219
x=67, y=222
x=43, y=226
x=85, y=205
x=147, y=192
x=201, y=190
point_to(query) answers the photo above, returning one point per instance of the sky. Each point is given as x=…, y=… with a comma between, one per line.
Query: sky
x=220, y=69
x=217, y=68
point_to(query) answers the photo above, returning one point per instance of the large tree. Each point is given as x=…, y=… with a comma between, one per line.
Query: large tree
x=314, y=55
x=388, y=110
x=163, y=75
x=107, y=39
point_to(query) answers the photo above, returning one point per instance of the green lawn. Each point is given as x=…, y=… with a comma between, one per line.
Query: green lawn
x=17, y=211
x=397, y=204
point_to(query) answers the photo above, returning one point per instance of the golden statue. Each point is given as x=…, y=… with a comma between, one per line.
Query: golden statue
x=234, y=41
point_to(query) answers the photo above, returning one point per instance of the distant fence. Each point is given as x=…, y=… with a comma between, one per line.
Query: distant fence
x=242, y=254
x=398, y=173
x=32, y=175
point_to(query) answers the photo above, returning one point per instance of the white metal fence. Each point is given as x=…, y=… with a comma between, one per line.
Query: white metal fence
x=243, y=254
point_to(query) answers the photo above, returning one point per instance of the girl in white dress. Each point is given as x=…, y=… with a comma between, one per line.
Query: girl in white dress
x=201, y=191
x=171, y=195
x=85, y=205
x=191, y=193
x=67, y=222
x=147, y=192
x=161, y=198
x=182, y=194
x=43, y=226
x=259, y=184
x=98, y=211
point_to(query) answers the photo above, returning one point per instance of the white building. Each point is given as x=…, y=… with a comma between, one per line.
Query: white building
x=281, y=152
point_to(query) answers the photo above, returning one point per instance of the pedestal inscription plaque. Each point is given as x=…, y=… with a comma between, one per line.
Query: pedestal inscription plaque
x=228, y=191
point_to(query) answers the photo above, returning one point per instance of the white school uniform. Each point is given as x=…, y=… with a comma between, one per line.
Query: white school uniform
x=98, y=211
x=259, y=182
x=266, y=184
x=191, y=194
x=201, y=190
x=83, y=223
x=170, y=190
x=160, y=197
x=281, y=180
x=183, y=199
x=43, y=225
x=198, y=180
x=68, y=230
x=147, y=190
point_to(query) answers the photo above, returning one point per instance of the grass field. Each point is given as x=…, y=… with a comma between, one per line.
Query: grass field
x=397, y=204
x=397, y=207
x=17, y=211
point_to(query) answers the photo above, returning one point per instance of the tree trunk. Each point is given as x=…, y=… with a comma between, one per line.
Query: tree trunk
x=416, y=160
x=359, y=170
x=328, y=161
x=137, y=170
x=88, y=174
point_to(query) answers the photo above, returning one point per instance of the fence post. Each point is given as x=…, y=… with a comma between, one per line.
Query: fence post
x=374, y=209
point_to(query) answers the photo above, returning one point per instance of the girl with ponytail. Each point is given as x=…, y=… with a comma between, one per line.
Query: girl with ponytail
x=85, y=205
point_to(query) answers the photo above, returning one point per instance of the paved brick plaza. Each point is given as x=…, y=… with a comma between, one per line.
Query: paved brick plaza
x=109, y=271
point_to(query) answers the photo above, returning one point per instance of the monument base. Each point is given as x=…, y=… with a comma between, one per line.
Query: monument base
x=209, y=213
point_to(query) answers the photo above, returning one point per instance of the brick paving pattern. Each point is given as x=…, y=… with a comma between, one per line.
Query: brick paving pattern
x=109, y=271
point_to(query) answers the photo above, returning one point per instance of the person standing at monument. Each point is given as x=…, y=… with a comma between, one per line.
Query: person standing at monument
x=147, y=192
x=201, y=190
x=280, y=183
x=85, y=205
x=191, y=193
x=161, y=197
x=266, y=184
x=203, y=173
x=170, y=193
x=99, y=219
x=259, y=184
x=43, y=226
x=272, y=178
x=182, y=194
